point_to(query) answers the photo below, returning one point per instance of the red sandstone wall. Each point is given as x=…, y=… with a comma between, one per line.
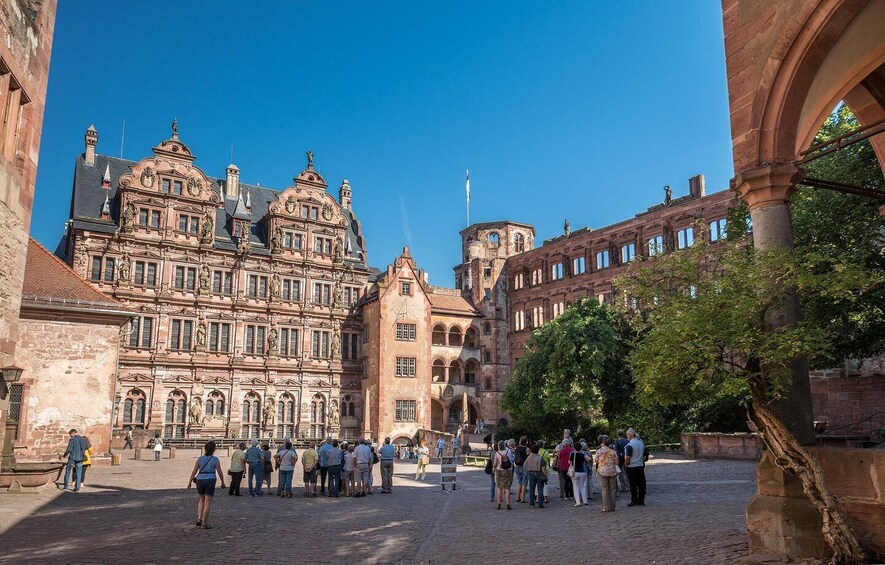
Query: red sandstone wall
x=844, y=401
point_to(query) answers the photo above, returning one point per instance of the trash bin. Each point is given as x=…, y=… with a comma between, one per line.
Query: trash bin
x=116, y=459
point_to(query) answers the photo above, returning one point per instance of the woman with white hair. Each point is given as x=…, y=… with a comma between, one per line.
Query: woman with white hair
x=578, y=468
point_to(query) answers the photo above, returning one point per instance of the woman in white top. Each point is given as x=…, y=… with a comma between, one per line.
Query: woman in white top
x=423, y=460
x=158, y=448
x=286, y=459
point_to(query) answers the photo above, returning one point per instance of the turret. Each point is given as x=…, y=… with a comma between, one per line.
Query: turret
x=91, y=139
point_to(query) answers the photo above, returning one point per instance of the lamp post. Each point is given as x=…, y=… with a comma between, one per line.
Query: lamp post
x=9, y=374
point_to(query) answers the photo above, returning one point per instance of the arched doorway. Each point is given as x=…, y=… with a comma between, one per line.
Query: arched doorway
x=436, y=415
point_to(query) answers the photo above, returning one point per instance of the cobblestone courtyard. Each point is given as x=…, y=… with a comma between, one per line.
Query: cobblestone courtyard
x=140, y=512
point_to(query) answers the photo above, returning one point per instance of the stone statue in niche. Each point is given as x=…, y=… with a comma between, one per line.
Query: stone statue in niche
x=333, y=413
x=207, y=229
x=125, y=268
x=336, y=345
x=275, y=286
x=338, y=254
x=204, y=278
x=147, y=177
x=196, y=411
x=201, y=334
x=128, y=218
x=268, y=413
x=272, y=341
x=337, y=294
x=276, y=240
x=194, y=186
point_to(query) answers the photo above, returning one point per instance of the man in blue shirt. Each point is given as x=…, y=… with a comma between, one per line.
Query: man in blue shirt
x=620, y=447
x=323, y=452
x=635, y=457
x=254, y=458
x=76, y=454
x=387, y=453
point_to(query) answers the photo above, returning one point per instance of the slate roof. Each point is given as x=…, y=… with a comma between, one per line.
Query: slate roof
x=48, y=280
x=88, y=198
x=450, y=303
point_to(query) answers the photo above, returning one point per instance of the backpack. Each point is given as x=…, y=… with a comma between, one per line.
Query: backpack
x=489, y=466
x=506, y=464
x=375, y=458
x=520, y=455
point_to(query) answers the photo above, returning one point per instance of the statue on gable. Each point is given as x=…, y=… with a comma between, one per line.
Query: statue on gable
x=128, y=218
x=207, y=229
x=567, y=228
x=668, y=195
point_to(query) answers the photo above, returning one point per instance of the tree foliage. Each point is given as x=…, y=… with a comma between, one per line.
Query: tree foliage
x=572, y=372
x=849, y=229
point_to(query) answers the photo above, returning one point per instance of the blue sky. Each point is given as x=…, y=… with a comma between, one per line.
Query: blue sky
x=578, y=110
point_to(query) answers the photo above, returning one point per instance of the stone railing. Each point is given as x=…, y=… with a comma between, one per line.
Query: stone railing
x=721, y=446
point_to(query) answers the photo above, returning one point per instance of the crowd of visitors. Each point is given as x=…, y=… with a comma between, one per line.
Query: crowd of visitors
x=618, y=465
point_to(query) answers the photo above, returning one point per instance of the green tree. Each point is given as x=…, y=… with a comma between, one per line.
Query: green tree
x=703, y=330
x=573, y=371
x=846, y=228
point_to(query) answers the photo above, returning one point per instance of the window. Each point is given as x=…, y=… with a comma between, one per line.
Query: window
x=106, y=266
x=405, y=288
x=322, y=245
x=487, y=272
x=558, y=308
x=405, y=366
x=286, y=416
x=219, y=337
x=628, y=252
x=14, y=415
x=494, y=239
x=405, y=411
x=322, y=293
x=222, y=282
x=519, y=243
x=145, y=274
x=171, y=186
x=319, y=344
x=537, y=277
x=486, y=356
x=518, y=281
x=95, y=275
x=351, y=296
x=656, y=246
x=109, y=269
x=215, y=404
x=289, y=342
x=406, y=332
x=487, y=328
x=602, y=260
x=185, y=278
x=291, y=290
x=180, y=335
x=718, y=229
x=556, y=271
x=176, y=415
x=149, y=218
x=251, y=416
x=292, y=240
x=189, y=224
x=141, y=330
x=579, y=265
x=487, y=294
x=133, y=408
x=349, y=346
x=538, y=316
x=518, y=320
x=254, y=339
x=684, y=238
x=257, y=287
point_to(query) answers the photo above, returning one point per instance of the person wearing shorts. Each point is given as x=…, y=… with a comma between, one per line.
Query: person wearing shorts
x=309, y=460
x=203, y=476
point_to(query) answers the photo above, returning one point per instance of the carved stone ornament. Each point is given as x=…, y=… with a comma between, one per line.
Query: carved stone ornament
x=449, y=391
x=147, y=177
x=291, y=204
x=207, y=229
x=272, y=341
x=128, y=219
x=327, y=211
x=194, y=186
x=125, y=268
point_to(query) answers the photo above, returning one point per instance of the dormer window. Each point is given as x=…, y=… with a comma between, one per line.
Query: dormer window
x=310, y=212
x=170, y=186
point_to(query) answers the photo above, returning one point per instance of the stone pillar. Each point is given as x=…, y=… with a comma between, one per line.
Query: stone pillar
x=465, y=409
x=767, y=191
x=780, y=520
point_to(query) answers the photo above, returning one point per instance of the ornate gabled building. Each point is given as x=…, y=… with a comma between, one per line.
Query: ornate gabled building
x=244, y=296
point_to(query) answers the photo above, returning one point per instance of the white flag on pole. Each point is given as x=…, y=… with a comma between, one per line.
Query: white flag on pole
x=468, y=185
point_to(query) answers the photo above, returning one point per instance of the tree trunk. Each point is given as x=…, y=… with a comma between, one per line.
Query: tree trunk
x=794, y=459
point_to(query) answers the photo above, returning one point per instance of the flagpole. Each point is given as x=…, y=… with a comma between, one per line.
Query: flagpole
x=468, y=197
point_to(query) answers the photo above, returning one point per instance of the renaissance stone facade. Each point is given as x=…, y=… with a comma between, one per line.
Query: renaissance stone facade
x=244, y=296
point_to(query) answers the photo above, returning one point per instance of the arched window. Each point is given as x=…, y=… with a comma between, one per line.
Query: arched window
x=348, y=406
x=317, y=417
x=133, y=408
x=471, y=337
x=251, y=416
x=470, y=371
x=176, y=414
x=494, y=239
x=455, y=372
x=438, y=371
x=215, y=404
x=455, y=337
x=519, y=243
x=439, y=335
x=286, y=416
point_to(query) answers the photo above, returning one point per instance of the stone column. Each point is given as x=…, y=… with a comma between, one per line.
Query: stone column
x=780, y=520
x=767, y=191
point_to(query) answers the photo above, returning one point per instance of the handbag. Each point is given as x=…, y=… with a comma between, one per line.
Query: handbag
x=571, y=465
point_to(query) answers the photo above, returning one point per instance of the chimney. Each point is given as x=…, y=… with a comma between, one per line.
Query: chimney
x=697, y=186
x=344, y=194
x=232, y=182
x=91, y=138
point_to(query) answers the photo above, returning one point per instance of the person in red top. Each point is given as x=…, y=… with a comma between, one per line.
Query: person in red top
x=564, y=452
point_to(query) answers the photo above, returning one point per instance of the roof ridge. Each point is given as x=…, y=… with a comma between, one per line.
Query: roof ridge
x=73, y=272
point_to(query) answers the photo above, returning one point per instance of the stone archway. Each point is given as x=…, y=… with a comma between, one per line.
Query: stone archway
x=437, y=412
